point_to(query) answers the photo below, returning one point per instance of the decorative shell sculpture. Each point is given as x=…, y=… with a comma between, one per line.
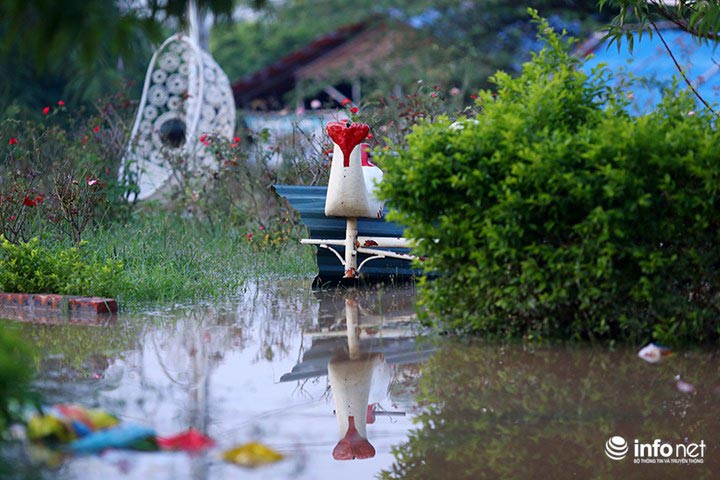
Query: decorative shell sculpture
x=186, y=95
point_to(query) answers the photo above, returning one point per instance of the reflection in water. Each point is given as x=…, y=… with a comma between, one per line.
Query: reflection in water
x=272, y=366
x=352, y=375
x=547, y=412
x=362, y=351
x=255, y=369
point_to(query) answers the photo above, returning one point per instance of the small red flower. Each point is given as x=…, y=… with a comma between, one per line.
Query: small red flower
x=46, y=110
x=236, y=139
x=203, y=138
x=345, y=101
x=370, y=136
x=473, y=96
x=29, y=202
x=61, y=103
x=354, y=110
x=96, y=129
x=13, y=141
x=249, y=236
x=84, y=140
x=39, y=199
x=12, y=217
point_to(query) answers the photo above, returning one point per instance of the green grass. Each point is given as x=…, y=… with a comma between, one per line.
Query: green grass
x=166, y=258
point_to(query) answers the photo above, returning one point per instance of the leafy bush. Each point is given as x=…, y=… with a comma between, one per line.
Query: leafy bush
x=556, y=213
x=31, y=268
x=15, y=375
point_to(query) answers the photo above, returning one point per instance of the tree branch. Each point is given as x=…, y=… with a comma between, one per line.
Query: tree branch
x=679, y=68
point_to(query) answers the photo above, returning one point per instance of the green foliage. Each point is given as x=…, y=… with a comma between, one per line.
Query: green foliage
x=556, y=213
x=28, y=267
x=700, y=18
x=15, y=375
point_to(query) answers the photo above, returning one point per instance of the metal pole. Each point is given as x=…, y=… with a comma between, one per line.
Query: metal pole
x=351, y=234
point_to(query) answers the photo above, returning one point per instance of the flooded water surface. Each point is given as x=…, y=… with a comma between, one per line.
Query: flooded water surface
x=345, y=384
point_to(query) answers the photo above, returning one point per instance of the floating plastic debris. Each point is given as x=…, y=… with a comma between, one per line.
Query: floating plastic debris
x=66, y=421
x=654, y=353
x=190, y=441
x=252, y=455
x=126, y=435
x=683, y=386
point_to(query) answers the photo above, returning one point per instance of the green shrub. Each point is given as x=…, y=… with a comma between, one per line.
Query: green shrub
x=15, y=375
x=556, y=213
x=32, y=268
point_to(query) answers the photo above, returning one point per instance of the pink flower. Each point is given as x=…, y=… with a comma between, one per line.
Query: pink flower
x=46, y=110
x=262, y=228
x=91, y=181
x=354, y=110
x=345, y=101
x=203, y=137
x=61, y=103
x=13, y=141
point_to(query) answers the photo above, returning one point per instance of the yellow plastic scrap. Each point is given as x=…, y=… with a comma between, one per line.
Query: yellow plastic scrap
x=252, y=455
x=101, y=419
x=42, y=427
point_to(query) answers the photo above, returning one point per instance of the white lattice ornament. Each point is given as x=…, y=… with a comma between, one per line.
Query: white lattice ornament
x=185, y=95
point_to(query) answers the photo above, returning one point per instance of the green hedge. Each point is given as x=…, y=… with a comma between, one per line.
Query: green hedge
x=29, y=267
x=16, y=371
x=555, y=213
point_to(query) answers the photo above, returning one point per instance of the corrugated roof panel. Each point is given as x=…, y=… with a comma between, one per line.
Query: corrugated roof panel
x=310, y=203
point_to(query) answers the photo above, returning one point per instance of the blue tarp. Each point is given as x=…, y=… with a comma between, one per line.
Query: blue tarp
x=651, y=60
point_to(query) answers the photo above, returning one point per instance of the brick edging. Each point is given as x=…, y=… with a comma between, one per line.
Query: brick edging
x=28, y=305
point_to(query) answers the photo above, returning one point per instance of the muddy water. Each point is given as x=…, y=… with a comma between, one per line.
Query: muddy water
x=289, y=367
